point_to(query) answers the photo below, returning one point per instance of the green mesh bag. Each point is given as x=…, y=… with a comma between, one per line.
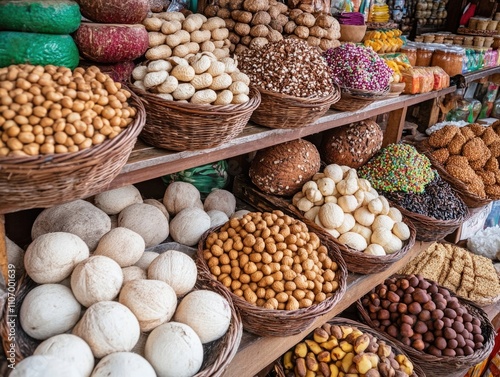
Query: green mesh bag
x=205, y=178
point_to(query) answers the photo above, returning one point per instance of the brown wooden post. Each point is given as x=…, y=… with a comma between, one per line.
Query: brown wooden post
x=395, y=125
x=3, y=249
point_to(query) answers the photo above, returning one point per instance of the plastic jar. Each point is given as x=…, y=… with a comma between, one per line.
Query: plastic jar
x=411, y=53
x=424, y=55
x=468, y=40
x=450, y=59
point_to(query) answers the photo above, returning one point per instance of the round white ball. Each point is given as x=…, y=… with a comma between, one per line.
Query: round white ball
x=217, y=218
x=221, y=200
x=123, y=364
x=188, y=226
x=176, y=269
x=122, y=245
x=114, y=201
x=159, y=205
x=146, y=220
x=181, y=195
x=44, y=366
x=146, y=259
x=48, y=310
x=133, y=273
x=52, y=257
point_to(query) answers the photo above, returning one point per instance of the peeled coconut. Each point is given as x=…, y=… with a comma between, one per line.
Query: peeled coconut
x=158, y=205
x=48, y=310
x=44, y=366
x=114, y=201
x=206, y=312
x=78, y=217
x=123, y=364
x=153, y=302
x=176, y=269
x=71, y=349
x=221, y=200
x=146, y=259
x=51, y=257
x=15, y=255
x=133, y=273
x=188, y=226
x=122, y=245
x=217, y=218
x=108, y=327
x=239, y=214
x=174, y=350
x=97, y=278
x=146, y=220
x=180, y=195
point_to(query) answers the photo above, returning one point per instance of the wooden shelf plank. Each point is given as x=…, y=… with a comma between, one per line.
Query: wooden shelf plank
x=268, y=349
x=476, y=75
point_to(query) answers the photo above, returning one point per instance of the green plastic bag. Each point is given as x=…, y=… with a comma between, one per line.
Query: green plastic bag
x=205, y=178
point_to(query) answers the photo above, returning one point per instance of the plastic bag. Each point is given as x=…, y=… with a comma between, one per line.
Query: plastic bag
x=205, y=178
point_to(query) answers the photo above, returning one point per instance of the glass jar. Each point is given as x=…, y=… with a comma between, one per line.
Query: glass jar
x=424, y=55
x=450, y=59
x=411, y=53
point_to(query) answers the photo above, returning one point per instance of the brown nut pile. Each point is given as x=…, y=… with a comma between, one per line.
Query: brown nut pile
x=289, y=67
x=425, y=316
x=271, y=260
x=46, y=110
x=345, y=350
x=470, y=154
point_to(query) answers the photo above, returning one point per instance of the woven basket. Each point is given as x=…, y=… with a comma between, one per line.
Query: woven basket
x=185, y=126
x=356, y=261
x=445, y=366
x=417, y=371
x=46, y=180
x=268, y=322
x=216, y=355
x=278, y=110
x=357, y=99
x=474, y=202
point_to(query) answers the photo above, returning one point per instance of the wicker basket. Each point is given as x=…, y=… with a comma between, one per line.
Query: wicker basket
x=417, y=371
x=46, y=180
x=278, y=110
x=356, y=261
x=268, y=322
x=445, y=366
x=185, y=126
x=216, y=355
x=357, y=99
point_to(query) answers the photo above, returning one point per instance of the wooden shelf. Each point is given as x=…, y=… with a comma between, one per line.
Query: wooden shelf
x=476, y=75
x=268, y=349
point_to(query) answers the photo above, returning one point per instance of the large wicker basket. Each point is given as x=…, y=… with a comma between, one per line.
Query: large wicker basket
x=417, y=370
x=185, y=126
x=269, y=322
x=357, y=99
x=278, y=110
x=216, y=355
x=445, y=366
x=356, y=261
x=46, y=180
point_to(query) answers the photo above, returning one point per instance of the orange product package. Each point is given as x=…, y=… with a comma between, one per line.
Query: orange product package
x=413, y=79
x=441, y=78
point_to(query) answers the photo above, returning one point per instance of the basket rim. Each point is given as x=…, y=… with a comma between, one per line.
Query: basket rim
x=422, y=356
x=312, y=101
x=363, y=94
x=89, y=154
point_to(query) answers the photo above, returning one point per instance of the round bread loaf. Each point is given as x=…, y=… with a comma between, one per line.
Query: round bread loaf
x=352, y=145
x=284, y=168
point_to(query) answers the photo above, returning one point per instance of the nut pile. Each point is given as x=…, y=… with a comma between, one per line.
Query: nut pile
x=254, y=23
x=200, y=79
x=470, y=155
x=289, y=67
x=271, y=260
x=468, y=275
x=336, y=349
x=425, y=316
x=173, y=34
x=46, y=110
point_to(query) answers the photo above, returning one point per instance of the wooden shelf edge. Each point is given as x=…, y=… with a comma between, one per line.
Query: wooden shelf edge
x=476, y=75
x=268, y=349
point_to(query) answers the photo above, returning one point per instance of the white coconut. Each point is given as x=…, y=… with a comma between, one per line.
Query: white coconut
x=153, y=302
x=206, y=312
x=78, y=217
x=180, y=195
x=174, y=350
x=71, y=349
x=158, y=205
x=146, y=220
x=221, y=200
x=97, y=278
x=15, y=255
x=217, y=218
x=239, y=214
x=133, y=273
x=122, y=245
x=146, y=259
x=123, y=364
x=108, y=327
x=48, y=310
x=176, y=269
x=51, y=257
x=44, y=366
x=188, y=226
x=114, y=201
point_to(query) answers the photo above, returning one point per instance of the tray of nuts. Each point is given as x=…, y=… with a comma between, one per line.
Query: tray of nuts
x=280, y=275
x=431, y=324
x=345, y=346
